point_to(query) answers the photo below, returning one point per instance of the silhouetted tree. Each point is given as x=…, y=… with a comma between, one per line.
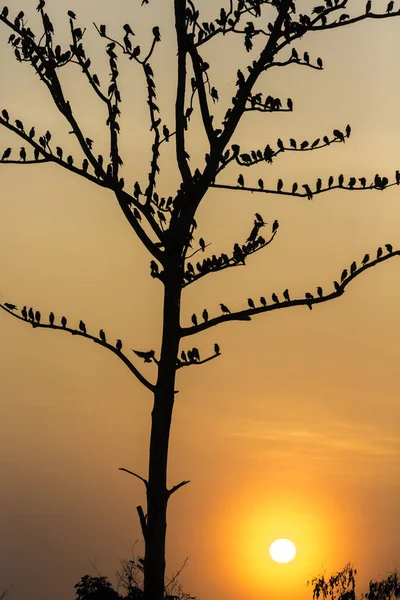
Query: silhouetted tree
x=130, y=579
x=342, y=586
x=166, y=224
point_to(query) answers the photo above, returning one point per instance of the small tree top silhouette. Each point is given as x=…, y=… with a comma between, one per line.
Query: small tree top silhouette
x=165, y=222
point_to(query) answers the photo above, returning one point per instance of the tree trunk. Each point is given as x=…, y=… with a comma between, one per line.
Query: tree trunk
x=157, y=492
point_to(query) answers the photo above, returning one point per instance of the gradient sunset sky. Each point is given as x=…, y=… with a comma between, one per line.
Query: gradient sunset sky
x=295, y=430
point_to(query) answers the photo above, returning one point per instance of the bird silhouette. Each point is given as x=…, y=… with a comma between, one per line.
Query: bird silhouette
x=153, y=268
x=22, y=154
x=390, y=6
x=102, y=336
x=241, y=180
x=344, y=275
x=377, y=181
x=275, y=225
x=336, y=286
x=51, y=318
x=32, y=133
x=365, y=259
x=397, y=177
x=286, y=295
x=31, y=315
x=202, y=244
x=82, y=326
x=379, y=252
x=217, y=349
x=224, y=308
x=194, y=319
x=147, y=356
x=10, y=306
x=318, y=185
x=118, y=345
x=156, y=33
x=309, y=297
x=261, y=184
x=363, y=181
x=205, y=315
x=353, y=267
x=263, y=301
x=340, y=180
x=293, y=143
x=368, y=7
x=352, y=182
x=37, y=316
x=71, y=14
x=330, y=181
x=279, y=185
x=389, y=248
x=4, y=113
x=275, y=298
x=6, y=153
x=338, y=134
x=24, y=313
x=308, y=191
x=64, y=321
x=250, y=302
x=320, y=292
x=294, y=187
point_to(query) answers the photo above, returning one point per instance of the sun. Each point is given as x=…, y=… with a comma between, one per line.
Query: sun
x=282, y=551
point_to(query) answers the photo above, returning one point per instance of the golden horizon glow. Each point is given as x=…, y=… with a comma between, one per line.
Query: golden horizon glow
x=282, y=551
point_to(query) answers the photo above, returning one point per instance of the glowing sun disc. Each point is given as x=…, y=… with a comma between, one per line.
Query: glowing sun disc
x=282, y=551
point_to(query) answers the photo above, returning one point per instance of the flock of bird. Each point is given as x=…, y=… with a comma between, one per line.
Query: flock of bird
x=35, y=317
x=378, y=183
x=346, y=274
x=193, y=356
x=239, y=253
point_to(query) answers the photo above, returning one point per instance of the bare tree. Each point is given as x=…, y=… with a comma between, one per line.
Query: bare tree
x=165, y=224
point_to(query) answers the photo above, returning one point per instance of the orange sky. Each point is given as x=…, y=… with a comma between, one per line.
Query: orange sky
x=294, y=431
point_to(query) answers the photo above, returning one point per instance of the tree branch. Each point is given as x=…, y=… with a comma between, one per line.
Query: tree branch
x=308, y=301
x=180, y=8
x=134, y=474
x=189, y=363
x=35, y=323
x=142, y=520
x=177, y=487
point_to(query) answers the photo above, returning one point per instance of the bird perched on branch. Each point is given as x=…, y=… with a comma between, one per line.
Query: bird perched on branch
x=224, y=308
x=118, y=345
x=10, y=306
x=64, y=321
x=6, y=153
x=82, y=326
x=51, y=318
x=309, y=297
x=102, y=336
